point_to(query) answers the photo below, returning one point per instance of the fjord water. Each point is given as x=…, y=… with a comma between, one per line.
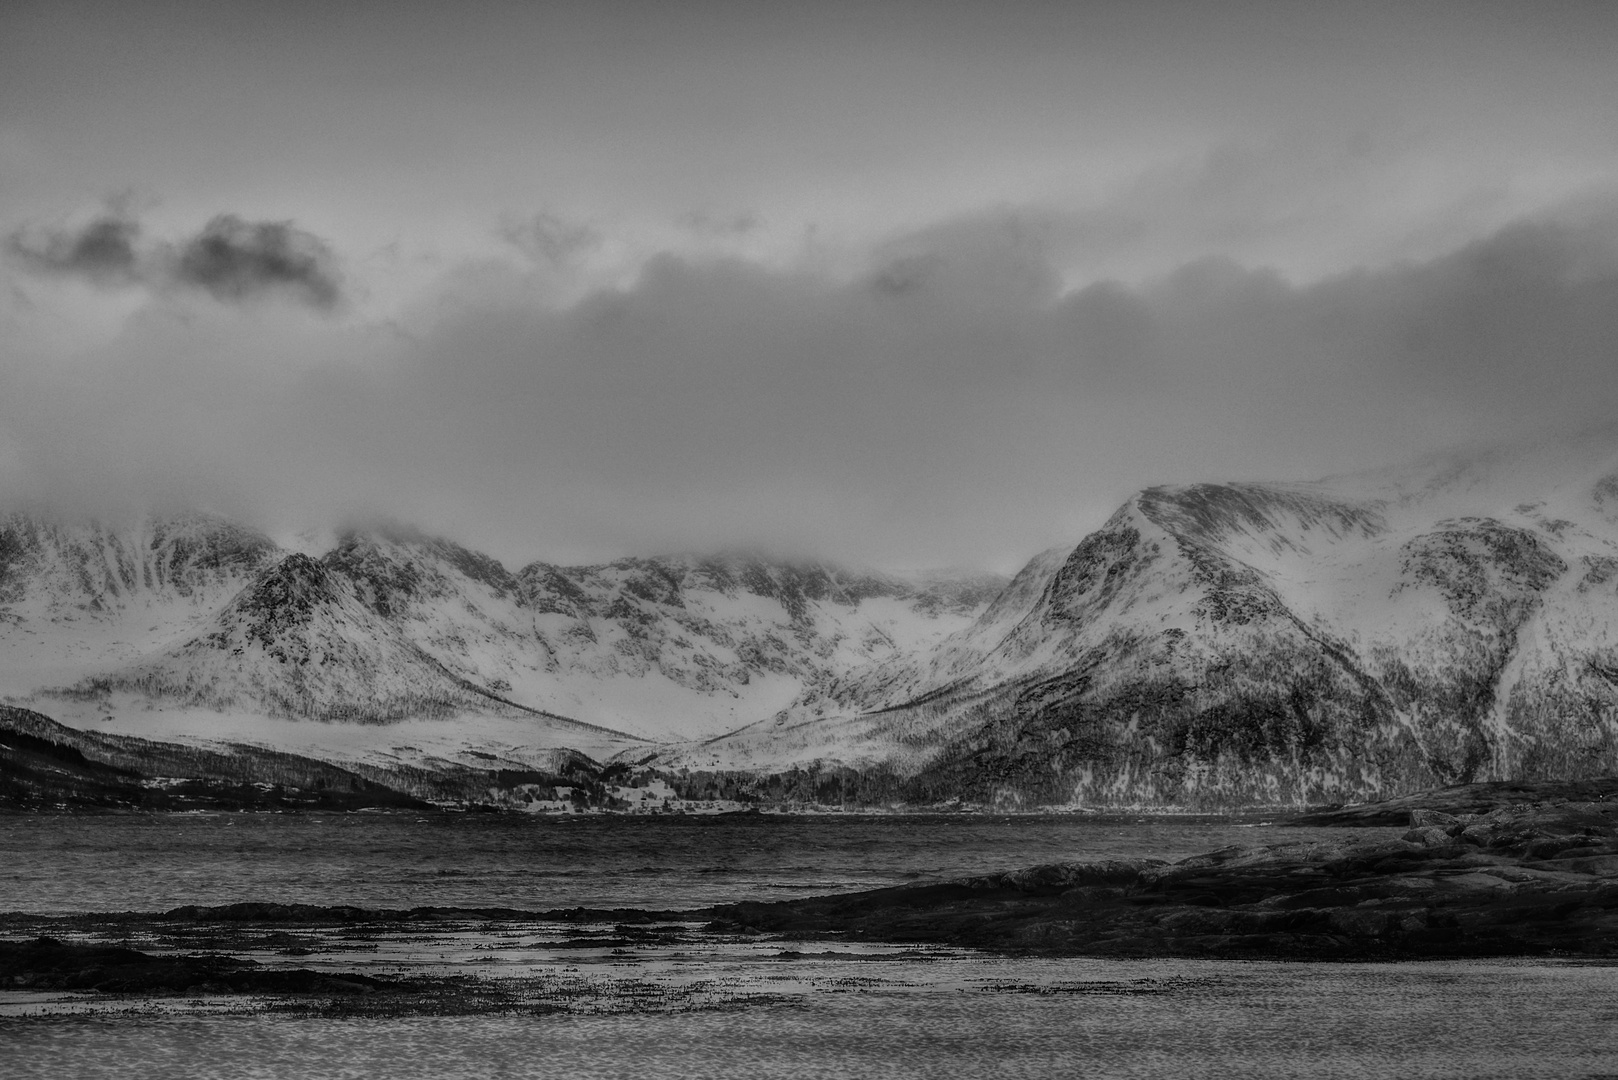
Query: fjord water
x=761, y=1008
x=56, y=864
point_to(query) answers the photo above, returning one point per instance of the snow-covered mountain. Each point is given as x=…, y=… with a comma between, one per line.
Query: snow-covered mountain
x=1218, y=644
x=389, y=625
x=80, y=598
x=1210, y=645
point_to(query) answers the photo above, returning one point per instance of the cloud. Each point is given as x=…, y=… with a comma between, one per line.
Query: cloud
x=102, y=251
x=968, y=410
x=235, y=260
x=231, y=259
x=1001, y=256
x=550, y=238
x=704, y=223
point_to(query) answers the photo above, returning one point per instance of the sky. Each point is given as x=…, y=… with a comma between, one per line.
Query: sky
x=898, y=284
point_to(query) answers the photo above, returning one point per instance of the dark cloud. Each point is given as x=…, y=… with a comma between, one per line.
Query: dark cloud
x=232, y=259
x=236, y=260
x=1523, y=321
x=103, y=251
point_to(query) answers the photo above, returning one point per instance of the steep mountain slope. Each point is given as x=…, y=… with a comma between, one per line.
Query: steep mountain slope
x=1252, y=643
x=299, y=642
x=78, y=597
x=391, y=624
x=668, y=647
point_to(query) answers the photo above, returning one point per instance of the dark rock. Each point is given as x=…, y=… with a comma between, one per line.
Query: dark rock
x=48, y=964
x=1464, y=800
x=1526, y=881
x=46, y=765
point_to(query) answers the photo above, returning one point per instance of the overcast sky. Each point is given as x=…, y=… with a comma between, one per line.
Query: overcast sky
x=901, y=284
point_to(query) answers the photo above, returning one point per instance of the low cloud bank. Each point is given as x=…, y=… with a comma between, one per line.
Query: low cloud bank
x=955, y=402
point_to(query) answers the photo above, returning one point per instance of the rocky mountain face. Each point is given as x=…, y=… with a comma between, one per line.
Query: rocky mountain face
x=390, y=624
x=1237, y=644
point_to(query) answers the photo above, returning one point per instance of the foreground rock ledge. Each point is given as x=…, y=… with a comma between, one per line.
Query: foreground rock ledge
x=48, y=964
x=1519, y=881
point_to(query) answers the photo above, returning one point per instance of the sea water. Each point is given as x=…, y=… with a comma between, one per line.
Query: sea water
x=56, y=864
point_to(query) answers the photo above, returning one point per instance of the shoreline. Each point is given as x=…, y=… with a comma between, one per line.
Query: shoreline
x=1478, y=798
x=48, y=767
x=1535, y=881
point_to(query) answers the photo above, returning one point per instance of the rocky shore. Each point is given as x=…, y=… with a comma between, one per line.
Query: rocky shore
x=1517, y=881
x=47, y=963
x=1520, y=880
x=1463, y=799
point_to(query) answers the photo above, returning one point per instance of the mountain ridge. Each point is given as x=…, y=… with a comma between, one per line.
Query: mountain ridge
x=394, y=623
x=1210, y=645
